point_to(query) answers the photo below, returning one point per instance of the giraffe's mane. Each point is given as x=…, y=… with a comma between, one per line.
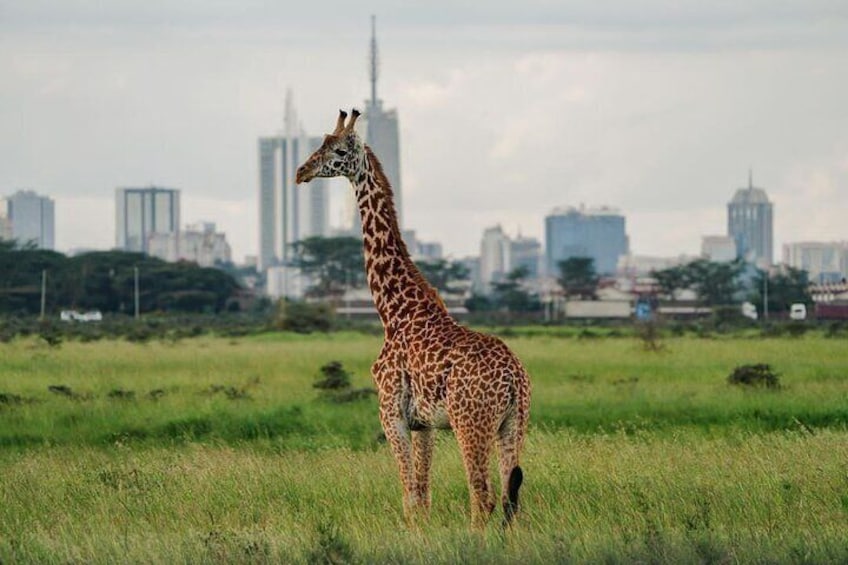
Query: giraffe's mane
x=383, y=180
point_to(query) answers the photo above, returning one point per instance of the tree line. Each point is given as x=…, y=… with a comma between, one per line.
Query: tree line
x=105, y=281
x=335, y=264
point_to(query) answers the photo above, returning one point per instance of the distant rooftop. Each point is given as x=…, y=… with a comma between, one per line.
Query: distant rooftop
x=750, y=195
x=600, y=211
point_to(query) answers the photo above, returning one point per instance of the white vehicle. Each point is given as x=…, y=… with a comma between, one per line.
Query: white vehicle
x=74, y=316
x=798, y=311
x=749, y=310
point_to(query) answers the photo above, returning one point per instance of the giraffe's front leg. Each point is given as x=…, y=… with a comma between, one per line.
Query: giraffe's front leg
x=397, y=434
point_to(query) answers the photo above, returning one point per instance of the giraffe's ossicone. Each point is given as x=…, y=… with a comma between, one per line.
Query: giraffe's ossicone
x=431, y=372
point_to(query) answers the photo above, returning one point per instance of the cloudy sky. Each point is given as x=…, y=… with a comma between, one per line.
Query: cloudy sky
x=657, y=108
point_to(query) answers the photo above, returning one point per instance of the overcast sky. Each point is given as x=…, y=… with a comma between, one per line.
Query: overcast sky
x=506, y=111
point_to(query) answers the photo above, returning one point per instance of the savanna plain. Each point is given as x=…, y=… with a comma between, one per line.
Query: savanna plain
x=218, y=449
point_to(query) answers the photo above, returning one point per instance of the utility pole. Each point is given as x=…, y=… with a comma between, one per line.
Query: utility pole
x=43, y=292
x=135, y=269
x=765, y=294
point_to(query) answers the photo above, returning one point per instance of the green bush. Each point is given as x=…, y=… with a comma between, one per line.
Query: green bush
x=759, y=375
x=304, y=317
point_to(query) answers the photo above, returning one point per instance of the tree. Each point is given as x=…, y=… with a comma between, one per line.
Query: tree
x=715, y=282
x=577, y=277
x=105, y=281
x=336, y=264
x=442, y=273
x=511, y=295
x=672, y=279
x=786, y=287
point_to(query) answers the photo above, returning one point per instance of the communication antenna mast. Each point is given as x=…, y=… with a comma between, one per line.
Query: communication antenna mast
x=373, y=63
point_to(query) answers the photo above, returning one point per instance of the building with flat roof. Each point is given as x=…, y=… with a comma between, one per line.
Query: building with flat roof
x=598, y=233
x=28, y=218
x=142, y=212
x=718, y=248
x=198, y=243
x=825, y=262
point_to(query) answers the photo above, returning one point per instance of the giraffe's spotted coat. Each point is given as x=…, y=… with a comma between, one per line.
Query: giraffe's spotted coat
x=431, y=372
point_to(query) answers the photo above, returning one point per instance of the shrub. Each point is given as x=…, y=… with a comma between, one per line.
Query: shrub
x=304, y=317
x=335, y=385
x=759, y=375
x=335, y=377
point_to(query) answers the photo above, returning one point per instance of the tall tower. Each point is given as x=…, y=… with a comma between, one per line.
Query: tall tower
x=749, y=223
x=382, y=132
x=287, y=212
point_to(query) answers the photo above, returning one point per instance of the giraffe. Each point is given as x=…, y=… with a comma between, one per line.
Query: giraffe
x=431, y=373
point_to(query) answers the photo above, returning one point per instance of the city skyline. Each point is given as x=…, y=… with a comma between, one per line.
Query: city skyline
x=659, y=113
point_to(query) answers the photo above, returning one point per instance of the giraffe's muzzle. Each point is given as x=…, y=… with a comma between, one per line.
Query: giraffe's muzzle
x=304, y=174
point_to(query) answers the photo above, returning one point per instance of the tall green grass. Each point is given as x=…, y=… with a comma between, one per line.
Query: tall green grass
x=616, y=498
x=632, y=456
x=180, y=392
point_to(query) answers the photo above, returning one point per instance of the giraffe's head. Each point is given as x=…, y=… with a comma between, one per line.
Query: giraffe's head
x=338, y=156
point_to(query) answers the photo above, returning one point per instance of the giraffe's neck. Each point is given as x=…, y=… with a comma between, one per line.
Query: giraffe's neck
x=396, y=283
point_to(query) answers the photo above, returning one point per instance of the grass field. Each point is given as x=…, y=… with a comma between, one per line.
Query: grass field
x=220, y=450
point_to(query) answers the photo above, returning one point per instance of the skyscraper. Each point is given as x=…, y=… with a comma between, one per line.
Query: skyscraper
x=525, y=252
x=141, y=212
x=596, y=233
x=288, y=212
x=28, y=218
x=749, y=223
x=494, y=258
x=382, y=134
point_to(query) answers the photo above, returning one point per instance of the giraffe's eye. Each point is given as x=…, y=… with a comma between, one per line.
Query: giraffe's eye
x=340, y=152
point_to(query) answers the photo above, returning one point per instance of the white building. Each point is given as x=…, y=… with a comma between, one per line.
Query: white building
x=421, y=250
x=718, y=248
x=198, y=243
x=28, y=218
x=824, y=261
x=639, y=265
x=285, y=282
x=5, y=222
x=494, y=258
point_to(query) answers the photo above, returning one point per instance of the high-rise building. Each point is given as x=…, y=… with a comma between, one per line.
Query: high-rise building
x=382, y=135
x=495, y=250
x=825, y=262
x=288, y=212
x=526, y=253
x=28, y=218
x=596, y=233
x=749, y=223
x=421, y=250
x=142, y=212
x=718, y=248
x=5, y=222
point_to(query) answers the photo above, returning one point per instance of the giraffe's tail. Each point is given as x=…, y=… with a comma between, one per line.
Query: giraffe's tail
x=516, y=477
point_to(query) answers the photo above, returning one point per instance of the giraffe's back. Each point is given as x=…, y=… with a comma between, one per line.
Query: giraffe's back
x=461, y=373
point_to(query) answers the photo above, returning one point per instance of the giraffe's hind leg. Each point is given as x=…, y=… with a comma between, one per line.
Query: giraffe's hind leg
x=475, y=443
x=422, y=455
